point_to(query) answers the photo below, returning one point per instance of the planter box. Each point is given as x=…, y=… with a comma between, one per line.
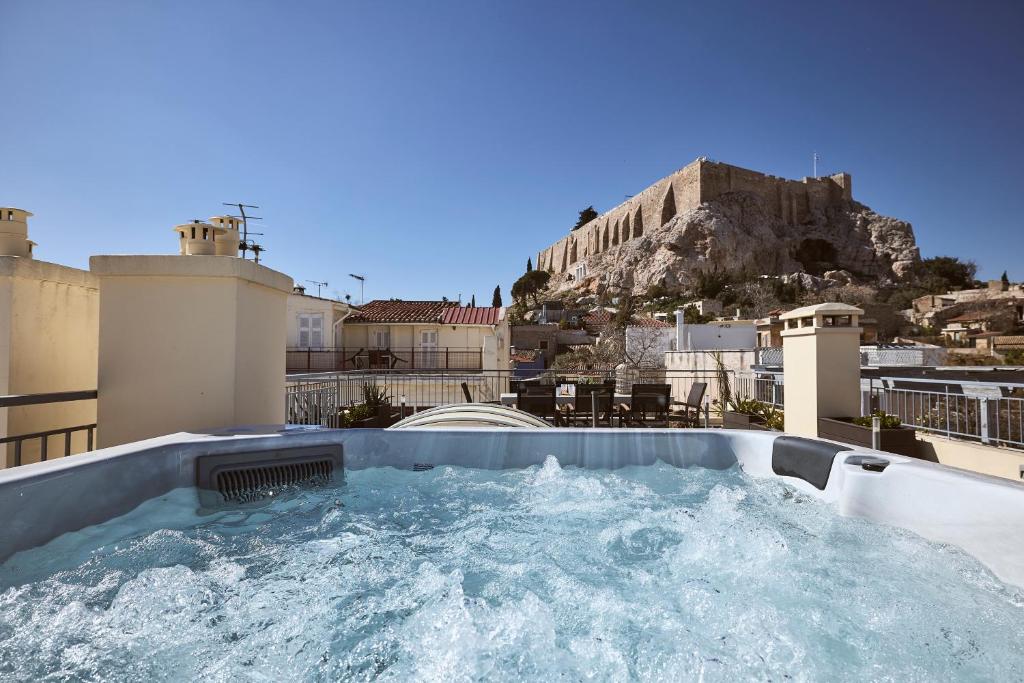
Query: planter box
x=385, y=417
x=731, y=420
x=902, y=440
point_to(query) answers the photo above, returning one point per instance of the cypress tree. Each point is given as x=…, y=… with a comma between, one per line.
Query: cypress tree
x=496, y=298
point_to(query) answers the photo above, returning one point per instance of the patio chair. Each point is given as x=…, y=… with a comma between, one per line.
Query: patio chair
x=688, y=412
x=539, y=400
x=582, y=407
x=648, y=406
x=379, y=359
x=469, y=395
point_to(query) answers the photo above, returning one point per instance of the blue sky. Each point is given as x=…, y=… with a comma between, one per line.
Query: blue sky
x=435, y=146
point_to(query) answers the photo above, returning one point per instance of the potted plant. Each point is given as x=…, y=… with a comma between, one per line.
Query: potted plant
x=856, y=431
x=375, y=411
x=742, y=414
x=749, y=413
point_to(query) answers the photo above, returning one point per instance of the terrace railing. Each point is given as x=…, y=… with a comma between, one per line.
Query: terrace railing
x=319, y=398
x=14, y=446
x=989, y=415
x=395, y=358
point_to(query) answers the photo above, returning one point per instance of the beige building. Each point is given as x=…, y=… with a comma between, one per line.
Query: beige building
x=316, y=338
x=48, y=341
x=395, y=334
x=188, y=344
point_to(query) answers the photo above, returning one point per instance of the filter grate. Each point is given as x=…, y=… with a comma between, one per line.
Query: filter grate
x=248, y=477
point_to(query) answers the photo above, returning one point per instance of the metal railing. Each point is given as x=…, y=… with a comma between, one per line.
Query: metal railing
x=320, y=398
x=767, y=389
x=394, y=358
x=18, y=441
x=988, y=419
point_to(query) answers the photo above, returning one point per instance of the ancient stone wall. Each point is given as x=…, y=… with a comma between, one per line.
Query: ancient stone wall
x=791, y=201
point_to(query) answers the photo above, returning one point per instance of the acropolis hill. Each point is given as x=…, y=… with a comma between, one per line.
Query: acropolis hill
x=713, y=216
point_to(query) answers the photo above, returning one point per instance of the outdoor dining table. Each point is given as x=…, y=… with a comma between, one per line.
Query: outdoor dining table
x=566, y=399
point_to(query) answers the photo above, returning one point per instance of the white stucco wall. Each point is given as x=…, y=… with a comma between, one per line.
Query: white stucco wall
x=715, y=336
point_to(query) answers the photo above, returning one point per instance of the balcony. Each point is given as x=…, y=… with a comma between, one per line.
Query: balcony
x=394, y=358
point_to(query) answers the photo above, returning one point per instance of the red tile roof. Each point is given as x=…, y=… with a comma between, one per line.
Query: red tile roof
x=397, y=311
x=443, y=312
x=488, y=315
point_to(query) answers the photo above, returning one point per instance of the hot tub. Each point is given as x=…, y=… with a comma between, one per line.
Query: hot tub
x=500, y=554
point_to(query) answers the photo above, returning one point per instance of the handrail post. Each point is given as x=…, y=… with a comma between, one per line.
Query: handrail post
x=946, y=403
x=983, y=419
x=593, y=408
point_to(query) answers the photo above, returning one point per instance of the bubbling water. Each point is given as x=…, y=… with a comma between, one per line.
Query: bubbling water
x=648, y=573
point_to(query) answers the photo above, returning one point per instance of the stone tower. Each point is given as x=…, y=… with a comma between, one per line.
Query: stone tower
x=14, y=239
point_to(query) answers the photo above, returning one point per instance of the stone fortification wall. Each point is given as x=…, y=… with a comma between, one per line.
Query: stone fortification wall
x=791, y=201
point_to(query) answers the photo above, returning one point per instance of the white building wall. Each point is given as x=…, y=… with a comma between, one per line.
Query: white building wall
x=715, y=336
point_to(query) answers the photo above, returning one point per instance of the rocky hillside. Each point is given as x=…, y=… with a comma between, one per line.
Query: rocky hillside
x=734, y=234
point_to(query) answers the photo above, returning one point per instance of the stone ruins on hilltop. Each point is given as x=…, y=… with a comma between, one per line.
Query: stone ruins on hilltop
x=714, y=217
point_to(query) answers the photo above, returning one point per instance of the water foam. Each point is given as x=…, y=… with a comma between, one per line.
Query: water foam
x=648, y=573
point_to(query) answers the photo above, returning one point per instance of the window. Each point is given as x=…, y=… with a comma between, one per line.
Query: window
x=380, y=338
x=311, y=330
x=206, y=232
x=193, y=233
x=581, y=271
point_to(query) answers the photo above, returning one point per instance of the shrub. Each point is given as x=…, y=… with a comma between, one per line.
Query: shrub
x=888, y=421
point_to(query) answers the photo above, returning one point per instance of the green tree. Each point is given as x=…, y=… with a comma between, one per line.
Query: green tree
x=472, y=301
x=496, y=297
x=530, y=284
x=586, y=215
x=941, y=274
x=709, y=285
x=624, y=313
x=691, y=316
x=529, y=265
x=1005, y=280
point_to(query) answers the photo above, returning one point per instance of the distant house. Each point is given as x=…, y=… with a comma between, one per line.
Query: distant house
x=1000, y=316
x=313, y=321
x=397, y=334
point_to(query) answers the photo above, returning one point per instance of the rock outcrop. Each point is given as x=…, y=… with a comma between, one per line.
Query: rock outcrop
x=737, y=234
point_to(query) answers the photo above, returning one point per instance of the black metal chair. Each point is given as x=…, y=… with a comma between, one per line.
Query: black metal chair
x=688, y=412
x=539, y=400
x=648, y=406
x=582, y=407
x=469, y=395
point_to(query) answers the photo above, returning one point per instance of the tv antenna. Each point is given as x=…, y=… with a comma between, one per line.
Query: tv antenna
x=247, y=245
x=362, y=283
x=318, y=285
